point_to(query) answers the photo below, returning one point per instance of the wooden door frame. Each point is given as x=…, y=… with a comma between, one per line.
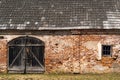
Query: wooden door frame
x=35, y=45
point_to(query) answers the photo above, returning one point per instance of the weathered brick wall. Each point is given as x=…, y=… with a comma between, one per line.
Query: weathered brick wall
x=3, y=52
x=89, y=53
x=61, y=52
x=73, y=53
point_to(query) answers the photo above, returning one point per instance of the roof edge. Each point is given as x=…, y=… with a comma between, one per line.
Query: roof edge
x=61, y=28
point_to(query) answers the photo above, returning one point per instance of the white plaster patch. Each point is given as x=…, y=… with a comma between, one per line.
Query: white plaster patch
x=100, y=68
x=99, y=51
x=91, y=45
x=76, y=66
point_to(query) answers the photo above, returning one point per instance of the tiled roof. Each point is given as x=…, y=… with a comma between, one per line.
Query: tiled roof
x=59, y=14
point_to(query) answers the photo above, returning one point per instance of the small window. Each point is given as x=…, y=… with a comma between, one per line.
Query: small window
x=106, y=50
x=1, y=37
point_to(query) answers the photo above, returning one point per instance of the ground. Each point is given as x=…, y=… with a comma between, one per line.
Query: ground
x=108, y=76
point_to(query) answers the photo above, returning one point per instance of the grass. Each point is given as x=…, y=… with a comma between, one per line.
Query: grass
x=108, y=76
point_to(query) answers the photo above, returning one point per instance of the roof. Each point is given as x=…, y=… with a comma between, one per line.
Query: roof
x=59, y=14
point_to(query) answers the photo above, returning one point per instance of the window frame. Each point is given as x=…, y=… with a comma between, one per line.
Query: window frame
x=103, y=55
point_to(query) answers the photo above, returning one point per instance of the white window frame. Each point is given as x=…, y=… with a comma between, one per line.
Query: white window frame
x=99, y=57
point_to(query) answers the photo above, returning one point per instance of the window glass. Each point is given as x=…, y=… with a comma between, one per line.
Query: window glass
x=106, y=50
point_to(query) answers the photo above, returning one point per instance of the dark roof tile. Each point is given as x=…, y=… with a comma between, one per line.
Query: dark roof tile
x=36, y=14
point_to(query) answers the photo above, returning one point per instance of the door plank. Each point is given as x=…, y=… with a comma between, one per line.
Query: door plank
x=16, y=57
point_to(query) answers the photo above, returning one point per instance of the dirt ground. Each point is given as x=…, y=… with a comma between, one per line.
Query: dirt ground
x=110, y=76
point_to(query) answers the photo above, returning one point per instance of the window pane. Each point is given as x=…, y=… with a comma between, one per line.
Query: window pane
x=106, y=50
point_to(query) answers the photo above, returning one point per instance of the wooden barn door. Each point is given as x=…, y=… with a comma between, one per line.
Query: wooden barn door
x=26, y=55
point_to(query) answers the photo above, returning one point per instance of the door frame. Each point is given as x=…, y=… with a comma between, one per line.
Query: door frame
x=42, y=44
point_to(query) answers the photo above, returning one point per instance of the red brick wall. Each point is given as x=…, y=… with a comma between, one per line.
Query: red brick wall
x=3, y=57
